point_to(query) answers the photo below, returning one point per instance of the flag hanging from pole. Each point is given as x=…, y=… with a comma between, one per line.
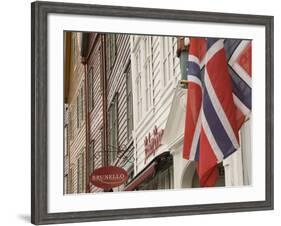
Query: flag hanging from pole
x=218, y=101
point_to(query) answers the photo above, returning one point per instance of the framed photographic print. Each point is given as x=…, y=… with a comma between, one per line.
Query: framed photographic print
x=140, y=112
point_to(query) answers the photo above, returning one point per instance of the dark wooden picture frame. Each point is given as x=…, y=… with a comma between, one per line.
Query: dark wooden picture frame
x=39, y=106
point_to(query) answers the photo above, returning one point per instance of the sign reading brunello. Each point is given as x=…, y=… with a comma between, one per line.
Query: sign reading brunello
x=152, y=142
x=109, y=177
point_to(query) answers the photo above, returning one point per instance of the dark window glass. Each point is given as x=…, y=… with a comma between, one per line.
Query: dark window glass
x=91, y=163
x=90, y=90
x=80, y=174
x=130, y=122
x=111, y=50
x=113, y=129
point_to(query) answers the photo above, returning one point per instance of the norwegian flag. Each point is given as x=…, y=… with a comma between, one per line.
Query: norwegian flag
x=218, y=102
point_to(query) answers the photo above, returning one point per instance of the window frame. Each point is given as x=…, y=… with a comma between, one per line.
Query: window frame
x=167, y=56
x=147, y=70
x=113, y=124
x=91, y=99
x=138, y=81
x=91, y=157
x=111, y=51
x=81, y=181
x=129, y=105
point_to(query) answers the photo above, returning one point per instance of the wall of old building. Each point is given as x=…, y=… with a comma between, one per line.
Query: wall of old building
x=158, y=110
x=117, y=78
x=94, y=73
x=150, y=63
x=76, y=130
x=165, y=108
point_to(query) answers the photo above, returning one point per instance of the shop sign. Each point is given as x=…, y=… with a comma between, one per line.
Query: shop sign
x=152, y=142
x=109, y=177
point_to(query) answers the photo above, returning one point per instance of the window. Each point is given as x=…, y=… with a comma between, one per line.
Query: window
x=80, y=106
x=91, y=158
x=163, y=179
x=102, y=145
x=101, y=88
x=110, y=51
x=80, y=174
x=130, y=122
x=70, y=126
x=70, y=185
x=139, y=85
x=143, y=79
x=77, y=111
x=65, y=184
x=66, y=142
x=167, y=60
x=90, y=90
x=74, y=49
x=147, y=71
x=82, y=102
x=113, y=129
x=166, y=179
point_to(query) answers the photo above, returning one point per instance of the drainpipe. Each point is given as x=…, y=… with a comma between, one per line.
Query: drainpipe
x=104, y=95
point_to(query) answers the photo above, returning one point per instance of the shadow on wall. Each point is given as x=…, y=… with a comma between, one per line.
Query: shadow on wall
x=24, y=217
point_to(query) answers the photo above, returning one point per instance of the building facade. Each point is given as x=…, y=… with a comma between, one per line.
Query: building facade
x=92, y=55
x=109, y=114
x=74, y=99
x=125, y=106
x=155, y=75
x=159, y=119
x=119, y=103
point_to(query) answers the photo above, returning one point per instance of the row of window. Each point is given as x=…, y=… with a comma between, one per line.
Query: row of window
x=144, y=76
x=143, y=62
x=95, y=89
x=113, y=119
x=80, y=175
x=80, y=114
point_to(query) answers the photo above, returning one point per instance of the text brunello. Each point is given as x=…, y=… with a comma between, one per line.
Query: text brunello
x=111, y=177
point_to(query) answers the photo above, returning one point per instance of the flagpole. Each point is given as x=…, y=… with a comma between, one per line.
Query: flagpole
x=183, y=82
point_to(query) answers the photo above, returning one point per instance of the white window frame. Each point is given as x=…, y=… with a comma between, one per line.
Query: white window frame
x=167, y=59
x=147, y=69
x=138, y=82
x=129, y=107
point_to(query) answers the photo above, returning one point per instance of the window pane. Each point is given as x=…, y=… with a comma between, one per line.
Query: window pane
x=82, y=101
x=77, y=111
x=90, y=89
x=129, y=102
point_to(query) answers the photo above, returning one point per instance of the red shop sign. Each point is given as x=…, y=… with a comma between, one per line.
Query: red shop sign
x=109, y=177
x=152, y=142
